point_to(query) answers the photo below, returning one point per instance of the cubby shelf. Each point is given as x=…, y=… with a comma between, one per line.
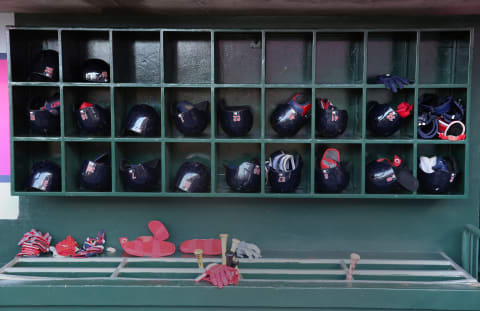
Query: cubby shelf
x=259, y=68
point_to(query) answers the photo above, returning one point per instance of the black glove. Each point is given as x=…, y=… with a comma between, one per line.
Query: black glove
x=393, y=83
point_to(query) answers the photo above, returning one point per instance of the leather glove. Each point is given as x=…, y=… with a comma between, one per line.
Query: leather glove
x=219, y=275
x=392, y=82
x=248, y=250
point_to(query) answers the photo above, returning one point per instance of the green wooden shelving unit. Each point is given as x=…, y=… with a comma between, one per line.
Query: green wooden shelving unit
x=257, y=67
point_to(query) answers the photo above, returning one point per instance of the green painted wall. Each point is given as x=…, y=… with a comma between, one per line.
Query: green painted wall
x=323, y=224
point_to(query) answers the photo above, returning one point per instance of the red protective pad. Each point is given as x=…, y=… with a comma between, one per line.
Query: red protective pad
x=208, y=246
x=67, y=247
x=219, y=275
x=147, y=246
x=134, y=248
x=404, y=109
x=159, y=231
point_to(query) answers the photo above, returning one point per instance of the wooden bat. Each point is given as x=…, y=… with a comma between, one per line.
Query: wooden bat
x=224, y=239
x=199, y=254
x=235, y=243
x=354, y=258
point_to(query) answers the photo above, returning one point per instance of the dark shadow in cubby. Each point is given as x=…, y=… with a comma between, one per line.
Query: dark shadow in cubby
x=21, y=96
x=25, y=45
x=187, y=57
x=73, y=97
x=240, y=97
x=288, y=58
x=234, y=154
x=238, y=57
x=444, y=57
x=127, y=97
x=304, y=151
x=78, y=47
x=345, y=99
x=192, y=95
x=274, y=97
x=136, y=56
x=339, y=58
x=456, y=93
x=351, y=153
x=135, y=153
x=444, y=150
x=374, y=152
x=384, y=96
x=27, y=153
x=178, y=153
x=391, y=52
x=75, y=154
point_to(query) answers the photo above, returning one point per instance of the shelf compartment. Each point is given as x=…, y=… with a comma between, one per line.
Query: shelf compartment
x=407, y=127
x=304, y=151
x=351, y=153
x=75, y=154
x=127, y=97
x=21, y=96
x=178, y=153
x=457, y=93
x=78, y=47
x=135, y=153
x=288, y=57
x=339, y=58
x=136, y=56
x=187, y=57
x=233, y=154
x=192, y=95
x=274, y=97
x=374, y=152
x=447, y=150
x=238, y=57
x=344, y=99
x=391, y=52
x=24, y=48
x=73, y=97
x=240, y=97
x=27, y=153
x=444, y=57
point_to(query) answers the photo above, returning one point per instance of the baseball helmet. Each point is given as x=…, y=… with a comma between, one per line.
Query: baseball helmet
x=245, y=177
x=284, y=171
x=44, y=176
x=190, y=119
x=330, y=121
x=385, y=176
x=382, y=119
x=141, y=176
x=45, y=67
x=288, y=118
x=380, y=177
x=142, y=120
x=437, y=174
x=96, y=175
x=44, y=115
x=96, y=70
x=193, y=177
x=92, y=118
x=236, y=121
x=332, y=176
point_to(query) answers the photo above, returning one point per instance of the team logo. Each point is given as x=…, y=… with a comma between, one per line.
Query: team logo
x=90, y=168
x=48, y=71
x=391, y=116
x=236, y=117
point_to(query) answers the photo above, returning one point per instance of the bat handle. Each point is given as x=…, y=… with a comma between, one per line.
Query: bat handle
x=354, y=258
x=224, y=239
x=199, y=254
x=235, y=243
